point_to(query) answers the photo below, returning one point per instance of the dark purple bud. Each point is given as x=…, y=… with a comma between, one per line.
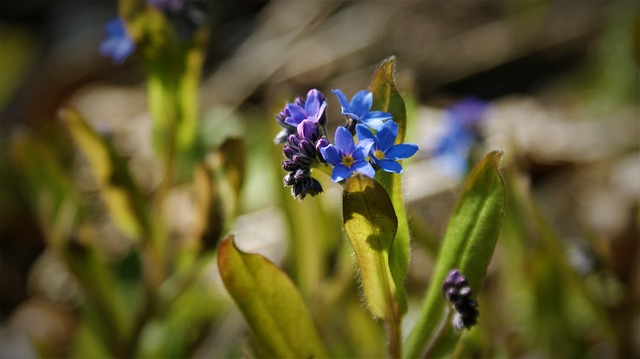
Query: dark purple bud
x=289, y=179
x=289, y=151
x=290, y=165
x=457, y=292
x=302, y=174
x=307, y=148
x=294, y=141
x=302, y=160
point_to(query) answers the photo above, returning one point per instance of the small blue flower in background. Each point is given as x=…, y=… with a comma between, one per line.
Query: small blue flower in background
x=118, y=45
x=462, y=122
x=348, y=157
x=359, y=109
x=173, y=6
x=383, y=152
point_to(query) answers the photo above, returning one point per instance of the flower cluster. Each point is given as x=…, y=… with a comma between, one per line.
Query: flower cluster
x=186, y=16
x=306, y=145
x=462, y=122
x=118, y=45
x=458, y=293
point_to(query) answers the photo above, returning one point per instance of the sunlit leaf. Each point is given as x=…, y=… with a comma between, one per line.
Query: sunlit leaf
x=387, y=98
x=468, y=245
x=270, y=303
x=370, y=224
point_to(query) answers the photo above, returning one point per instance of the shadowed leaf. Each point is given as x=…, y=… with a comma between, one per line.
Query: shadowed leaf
x=387, y=98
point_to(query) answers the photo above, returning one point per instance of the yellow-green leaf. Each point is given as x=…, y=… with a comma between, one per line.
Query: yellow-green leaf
x=270, y=303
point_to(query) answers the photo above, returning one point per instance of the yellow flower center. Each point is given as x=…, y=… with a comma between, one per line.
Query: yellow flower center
x=378, y=154
x=347, y=161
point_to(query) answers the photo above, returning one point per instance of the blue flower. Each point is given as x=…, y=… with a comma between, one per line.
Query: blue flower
x=311, y=109
x=383, y=152
x=359, y=109
x=463, y=119
x=348, y=157
x=118, y=45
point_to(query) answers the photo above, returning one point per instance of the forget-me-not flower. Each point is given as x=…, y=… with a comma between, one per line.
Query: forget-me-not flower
x=348, y=157
x=383, y=152
x=462, y=121
x=310, y=109
x=118, y=45
x=359, y=109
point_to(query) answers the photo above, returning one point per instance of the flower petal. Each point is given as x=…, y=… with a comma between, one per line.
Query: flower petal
x=372, y=123
x=362, y=149
x=340, y=172
x=297, y=115
x=361, y=103
x=331, y=154
x=365, y=168
x=344, y=102
x=387, y=135
x=401, y=151
x=314, y=100
x=344, y=140
x=363, y=132
x=390, y=166
x=379, y=115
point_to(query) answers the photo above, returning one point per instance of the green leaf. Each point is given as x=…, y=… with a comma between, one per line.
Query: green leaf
x=370, y=224
x=270, y=304
x=122, y=196
x=468, y=245
x=387, y=98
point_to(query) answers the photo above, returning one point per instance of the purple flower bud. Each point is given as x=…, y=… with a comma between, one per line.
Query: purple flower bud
x=289, y=179
x=307, y=148
x=290, y=165
x=294, y=141
x=308, y=130
x=289, y=151
x=457, y=292
x=302, y=174
x=302, y=160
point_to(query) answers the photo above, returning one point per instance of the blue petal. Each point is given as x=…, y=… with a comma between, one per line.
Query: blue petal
x=364, y=168
x=387, y=135
x=373, y=123
x=331, y=154
x=362, y=149
x=401, y=151
x=344, y=140
x=340, y=172
x=297, y=115
x=344, y=102
x=379, y=115
x=363, y=132
x=314, y=101
x=390, y=166
x=361, y=103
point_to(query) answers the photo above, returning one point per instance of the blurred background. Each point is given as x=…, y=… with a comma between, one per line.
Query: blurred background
x=559, y=84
